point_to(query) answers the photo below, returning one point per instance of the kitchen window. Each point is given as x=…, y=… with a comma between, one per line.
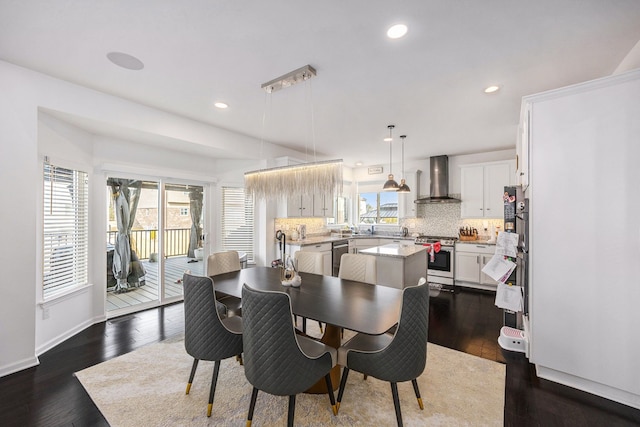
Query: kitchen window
x=378, y=208
x=237, y=221
x=65, y=240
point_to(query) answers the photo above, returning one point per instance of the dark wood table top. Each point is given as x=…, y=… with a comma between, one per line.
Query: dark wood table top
x=357, y=306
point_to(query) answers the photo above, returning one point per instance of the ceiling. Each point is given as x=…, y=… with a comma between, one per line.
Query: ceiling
x=429, y=83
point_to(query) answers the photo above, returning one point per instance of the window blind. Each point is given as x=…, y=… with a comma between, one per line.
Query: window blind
x=65, y=229
x=237, y=221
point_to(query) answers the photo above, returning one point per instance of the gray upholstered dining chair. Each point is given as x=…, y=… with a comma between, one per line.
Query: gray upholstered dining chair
x=358, y=267
x=309, y=262
x=225, y=262
x=276, y=359
x=207, y=336
x=394, y=358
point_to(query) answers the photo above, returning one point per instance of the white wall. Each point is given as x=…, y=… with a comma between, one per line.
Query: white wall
x=24, y=92
x=69, y=147
x=19, y=175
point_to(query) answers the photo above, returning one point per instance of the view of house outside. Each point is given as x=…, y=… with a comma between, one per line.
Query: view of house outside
x=144, y=237
x=378, y=208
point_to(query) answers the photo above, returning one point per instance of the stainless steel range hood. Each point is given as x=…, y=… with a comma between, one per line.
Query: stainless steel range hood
x=439, y=182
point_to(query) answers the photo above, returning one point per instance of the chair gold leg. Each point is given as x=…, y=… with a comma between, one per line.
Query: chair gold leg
x=194, y=366
x=248, y=423
x=239, y=359
x=209, y=408
x=417, y=391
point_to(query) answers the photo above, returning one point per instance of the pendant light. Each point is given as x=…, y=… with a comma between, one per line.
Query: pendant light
x=404, y=188
x=391, y=184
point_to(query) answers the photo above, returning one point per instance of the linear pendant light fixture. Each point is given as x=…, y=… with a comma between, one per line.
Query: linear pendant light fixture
x=324, y=177
x=404, y=188
x=391, y=184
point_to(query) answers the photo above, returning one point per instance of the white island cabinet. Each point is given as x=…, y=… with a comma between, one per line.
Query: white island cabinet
x=399, y=265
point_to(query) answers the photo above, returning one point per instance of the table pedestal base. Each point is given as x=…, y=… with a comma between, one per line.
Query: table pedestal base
x=330, y=337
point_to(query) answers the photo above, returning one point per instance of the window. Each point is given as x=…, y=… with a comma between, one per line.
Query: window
x=378, y=208
x=340, y=211
x=65, y=229
x=237, y=221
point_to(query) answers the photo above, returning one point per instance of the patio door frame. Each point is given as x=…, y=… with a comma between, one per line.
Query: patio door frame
x=207, y=225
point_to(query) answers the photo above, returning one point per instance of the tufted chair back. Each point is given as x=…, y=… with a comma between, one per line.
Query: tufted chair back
x=309, y=262
x=222, y=262
x=357, y=267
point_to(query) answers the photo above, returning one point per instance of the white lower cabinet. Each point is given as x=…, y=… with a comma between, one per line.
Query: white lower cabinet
x=470, y=260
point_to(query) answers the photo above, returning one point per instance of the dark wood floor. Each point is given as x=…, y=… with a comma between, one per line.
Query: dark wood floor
x=49, y=394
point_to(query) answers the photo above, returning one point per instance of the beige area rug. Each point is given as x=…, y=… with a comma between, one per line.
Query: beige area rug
x=146, y=388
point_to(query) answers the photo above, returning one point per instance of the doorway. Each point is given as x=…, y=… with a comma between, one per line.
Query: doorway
x=154, y=235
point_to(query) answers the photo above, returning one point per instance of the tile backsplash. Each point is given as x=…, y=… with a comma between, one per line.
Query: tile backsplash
x=443, y=219
x=438, y=219
x=287, y=225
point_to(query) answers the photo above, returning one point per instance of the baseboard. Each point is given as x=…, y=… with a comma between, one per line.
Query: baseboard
x=602, y=390
x=68, y=334
x=29, y=362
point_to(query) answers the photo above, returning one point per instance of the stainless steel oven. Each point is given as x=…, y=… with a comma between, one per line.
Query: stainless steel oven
x=441, y=259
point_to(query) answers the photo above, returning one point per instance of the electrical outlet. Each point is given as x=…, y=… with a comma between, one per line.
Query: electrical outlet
x=45, y=313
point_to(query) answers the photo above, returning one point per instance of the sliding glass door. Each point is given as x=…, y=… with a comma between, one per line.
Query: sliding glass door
x=183, y=235
x=132, y=243
x=154, y=235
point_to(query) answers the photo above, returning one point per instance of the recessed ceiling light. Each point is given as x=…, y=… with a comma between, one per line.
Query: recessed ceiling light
x=359, y=163
x=492, y=89
x=125, y=60
x=220, y=105
x=397, y=31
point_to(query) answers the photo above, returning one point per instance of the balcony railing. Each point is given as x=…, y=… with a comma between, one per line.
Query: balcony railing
x=145, y=242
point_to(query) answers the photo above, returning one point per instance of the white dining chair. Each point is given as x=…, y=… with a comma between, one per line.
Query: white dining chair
x=220, y=263
x=309, y=262
x=223, y=262
x=358, y=267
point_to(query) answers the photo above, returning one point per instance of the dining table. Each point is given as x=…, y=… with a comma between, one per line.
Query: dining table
x=339, y=303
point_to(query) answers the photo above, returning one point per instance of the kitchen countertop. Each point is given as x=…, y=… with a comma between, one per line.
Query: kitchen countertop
x=314, y=240
x=395, y=250
x=476, y=242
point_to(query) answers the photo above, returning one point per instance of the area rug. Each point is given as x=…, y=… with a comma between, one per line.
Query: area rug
x=147, y=388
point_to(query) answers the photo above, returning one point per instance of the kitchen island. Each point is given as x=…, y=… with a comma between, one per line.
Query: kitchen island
x=399, y=265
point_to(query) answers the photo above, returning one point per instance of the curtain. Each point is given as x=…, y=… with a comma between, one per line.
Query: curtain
x=195, y=205
x=127, y=269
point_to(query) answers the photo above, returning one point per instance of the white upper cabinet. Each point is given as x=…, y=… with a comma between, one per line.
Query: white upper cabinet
x=300, y=206
x=482, y=187
x=323, y=205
